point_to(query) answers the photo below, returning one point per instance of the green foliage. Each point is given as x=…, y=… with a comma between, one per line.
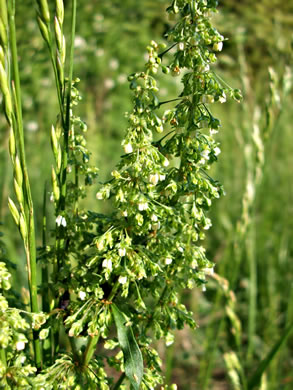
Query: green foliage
x=160, y=193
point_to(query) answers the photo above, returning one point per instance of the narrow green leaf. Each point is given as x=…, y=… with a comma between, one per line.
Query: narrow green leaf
x=256, y=378
x=133, y=362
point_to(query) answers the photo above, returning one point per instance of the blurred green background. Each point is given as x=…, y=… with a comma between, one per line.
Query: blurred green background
x=248, y=307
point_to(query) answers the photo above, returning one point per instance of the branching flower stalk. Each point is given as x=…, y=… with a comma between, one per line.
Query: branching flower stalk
x=126, y=268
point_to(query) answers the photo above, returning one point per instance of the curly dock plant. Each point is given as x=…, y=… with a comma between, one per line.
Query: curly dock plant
x=114, y=281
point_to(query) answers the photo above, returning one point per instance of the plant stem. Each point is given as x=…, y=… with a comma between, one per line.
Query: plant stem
x=30, y=247
x=3, y=357
x=68, y=103
x=119, y=382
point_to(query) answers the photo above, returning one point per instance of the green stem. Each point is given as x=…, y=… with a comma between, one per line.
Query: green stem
x=90, y=349
x=3, y=357
x=31, y=245
x=119, y=382
x=68, y=103
x=92, y=341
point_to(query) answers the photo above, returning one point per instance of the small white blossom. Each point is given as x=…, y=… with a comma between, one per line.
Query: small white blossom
x=122, y=78
x=32, y=126
x=154, y=218
x=181, y=46
x=204, y=288
x=122, y=279
x=61, y=221
x=166, y=162
x=162, y=177
x=107, y=263
x=20, y=345
x=223, y=98
x=109, y=83
x=168, y=260
x=218, y=46
x=217, y=151
x=208, y=224
x=208, y=271
x=143, y=206
x=124, y=213
x=82, y=295
x=154, y=179
x=114, y=64
x=99, y=195
x=205, y=154
x=79, y=42
x=128, y=148
x=121, y=252
x=213, y=131
x=100, y=52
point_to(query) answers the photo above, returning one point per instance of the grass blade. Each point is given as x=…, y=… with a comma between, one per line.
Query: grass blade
x=256, y=378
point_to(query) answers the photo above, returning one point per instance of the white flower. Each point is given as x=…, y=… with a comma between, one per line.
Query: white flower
x=122, y=279
x=168, y=260
x=114, y=64
x=213, y=131
x=121, y=252
x=82, y=295
x=166, y=162
x=100, y=52
x=181, y=46
x=223, y=98
x=109, y=83
x=154, y=179
x=217, y=151
x=162, y=177
x=20, y=345
x=128, y=148
x=204, y=288
x=107, y=263
x=208, y=271
x=218, y=46
x=32, y=126
x=122, y=78
x=99, y=195
x=208, y=224
x=205, y=154
x=154, y=218
x=61, y=221
x=142, y=206
x=79, y=42
x=124, y=213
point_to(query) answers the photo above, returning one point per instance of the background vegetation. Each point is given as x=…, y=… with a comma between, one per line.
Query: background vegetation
x=249, y=306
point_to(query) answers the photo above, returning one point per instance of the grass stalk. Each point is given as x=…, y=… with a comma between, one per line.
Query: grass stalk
x=30, y=246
